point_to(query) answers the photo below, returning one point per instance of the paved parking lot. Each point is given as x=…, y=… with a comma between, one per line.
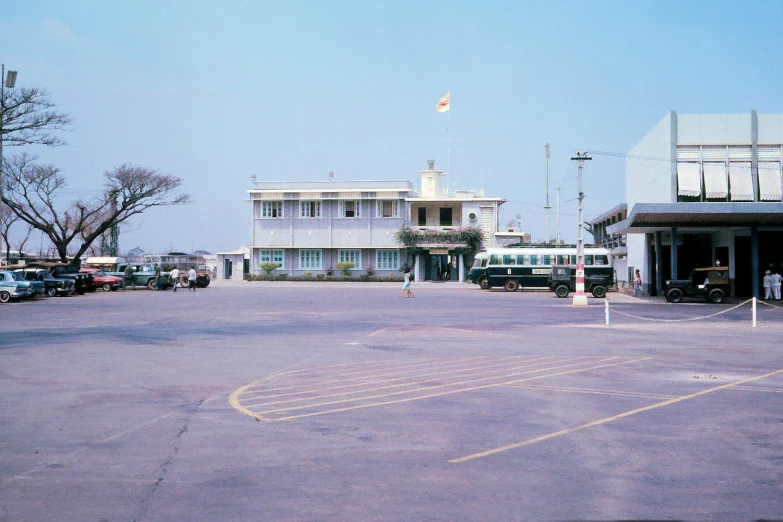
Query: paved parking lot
x=339, y=401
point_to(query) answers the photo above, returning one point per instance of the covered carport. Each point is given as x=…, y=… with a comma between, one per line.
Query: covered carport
x=748, y=237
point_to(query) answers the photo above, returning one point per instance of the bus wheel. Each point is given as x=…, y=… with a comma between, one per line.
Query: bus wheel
x=511, y=285
x=599, y=292
x=562, y=291
x=483, y=283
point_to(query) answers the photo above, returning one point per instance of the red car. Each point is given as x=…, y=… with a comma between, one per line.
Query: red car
x=105, y=281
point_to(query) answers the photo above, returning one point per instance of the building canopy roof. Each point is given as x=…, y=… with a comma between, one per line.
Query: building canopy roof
x=653, y=217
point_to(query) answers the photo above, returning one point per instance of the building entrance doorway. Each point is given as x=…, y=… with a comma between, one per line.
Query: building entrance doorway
x=441, y=267
x=226, y=269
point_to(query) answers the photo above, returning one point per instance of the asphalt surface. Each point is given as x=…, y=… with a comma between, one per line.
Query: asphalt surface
x=340, y=401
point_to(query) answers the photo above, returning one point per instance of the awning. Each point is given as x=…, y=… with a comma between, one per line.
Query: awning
x=688, y=179
x=769, y=181
x=715, y=182
x=741, y=182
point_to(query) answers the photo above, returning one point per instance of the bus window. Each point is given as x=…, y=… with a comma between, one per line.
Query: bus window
x=602, y=260
x=534, y=259
x=573, y=260
x=508, y=259
x=493, y=259
x=484, y=262
x=547, y=259
x=523, y=260
x=562, y=260
x=477, y=262
x=588, y=260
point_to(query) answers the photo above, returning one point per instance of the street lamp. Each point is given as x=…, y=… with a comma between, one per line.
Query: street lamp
x=580, y=299
x=6, y=80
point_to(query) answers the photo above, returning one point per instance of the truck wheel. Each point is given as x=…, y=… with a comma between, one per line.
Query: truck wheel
x=716, y=296
x=183, y=280
x=599, y=291
x=562, y=291
x=674, y=295
x=511, y=285
x=5, y=296
x=51, y=291
x=483, y=283
x=151, y=283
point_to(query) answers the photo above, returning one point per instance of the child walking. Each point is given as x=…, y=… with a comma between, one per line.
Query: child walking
x=406, y=286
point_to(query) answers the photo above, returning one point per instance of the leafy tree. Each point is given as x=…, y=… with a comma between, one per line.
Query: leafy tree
x=32, y=190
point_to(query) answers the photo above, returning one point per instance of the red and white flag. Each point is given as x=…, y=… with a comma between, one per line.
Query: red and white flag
x=445, y=103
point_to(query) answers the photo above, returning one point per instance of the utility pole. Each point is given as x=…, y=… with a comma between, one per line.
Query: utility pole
x=557, y=211
x=114, y=243
x=580, y=299
x=547, y=207
x=9, y=81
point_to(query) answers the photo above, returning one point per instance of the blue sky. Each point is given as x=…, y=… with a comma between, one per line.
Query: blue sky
x=216, y=91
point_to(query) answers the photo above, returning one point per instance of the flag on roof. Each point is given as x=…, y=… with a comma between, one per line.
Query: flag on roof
x=445, y=103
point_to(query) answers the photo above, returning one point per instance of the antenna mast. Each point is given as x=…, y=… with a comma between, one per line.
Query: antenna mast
x=557, y=211
x=547, y=207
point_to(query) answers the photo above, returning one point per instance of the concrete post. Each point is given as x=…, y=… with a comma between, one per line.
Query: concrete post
x=675, y=240
x=658, y=265
x=754, y=262
x=461, y=268
x=416, y=266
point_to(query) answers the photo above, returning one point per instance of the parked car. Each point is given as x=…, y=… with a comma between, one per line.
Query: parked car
x=82, y=282
x=52, y=285
x=102, y=279
x=15, y=285
x=598, y=280
x=710, y=282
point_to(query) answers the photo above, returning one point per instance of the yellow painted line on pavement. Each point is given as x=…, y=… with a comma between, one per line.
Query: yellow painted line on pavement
x=376, y=332
x=596, y=391
x=420, y=380
x=426, y=388
x=609, y=419
x=451, y=392
x=441, y=371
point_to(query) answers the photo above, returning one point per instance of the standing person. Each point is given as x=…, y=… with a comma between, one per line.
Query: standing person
x=768, y=285
x=406, y=286
x=174, y=276
x=776, y=281
x=128, y=278
x=157, y=276
x=192, y=279
x=637, y=284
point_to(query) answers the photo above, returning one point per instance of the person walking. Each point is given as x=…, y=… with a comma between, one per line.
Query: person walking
x=174, y=277
x=157, y=276
x=776, y=281
x=192, y=279
x=128, y=278
x=406, y=285
x=637, y=284
x=768, y=285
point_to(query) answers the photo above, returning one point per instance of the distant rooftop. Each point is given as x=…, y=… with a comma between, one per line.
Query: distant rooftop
x=326, y=186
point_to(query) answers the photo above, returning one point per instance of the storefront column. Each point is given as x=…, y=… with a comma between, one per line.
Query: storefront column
x=461, y=269
x=675, y=240
x=416, y=266
x=754, y=262
x=658, y=265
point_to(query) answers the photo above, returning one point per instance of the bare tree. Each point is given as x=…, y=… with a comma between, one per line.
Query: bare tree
x=28, y=230
x=32, y=190
x=27, y=117
x=7, y=218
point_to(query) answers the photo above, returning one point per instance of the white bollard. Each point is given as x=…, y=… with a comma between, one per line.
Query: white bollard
x=753, y=307
x=606, y=311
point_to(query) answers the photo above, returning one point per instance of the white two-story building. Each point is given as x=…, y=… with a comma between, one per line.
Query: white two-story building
x=704, y=189
x=313, y=225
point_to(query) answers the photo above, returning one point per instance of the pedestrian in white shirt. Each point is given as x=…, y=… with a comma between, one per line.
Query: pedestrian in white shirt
x=192, y=279
x=776, y=281
x=768, y=285
x=174, y=277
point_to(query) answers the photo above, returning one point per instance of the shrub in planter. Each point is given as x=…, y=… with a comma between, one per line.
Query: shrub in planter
x=307, y=274
x=345, y=267
x=282, y=277
x=268, y=266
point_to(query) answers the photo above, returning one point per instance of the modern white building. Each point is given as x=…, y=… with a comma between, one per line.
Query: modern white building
x=704, y=189
x=313, y=225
